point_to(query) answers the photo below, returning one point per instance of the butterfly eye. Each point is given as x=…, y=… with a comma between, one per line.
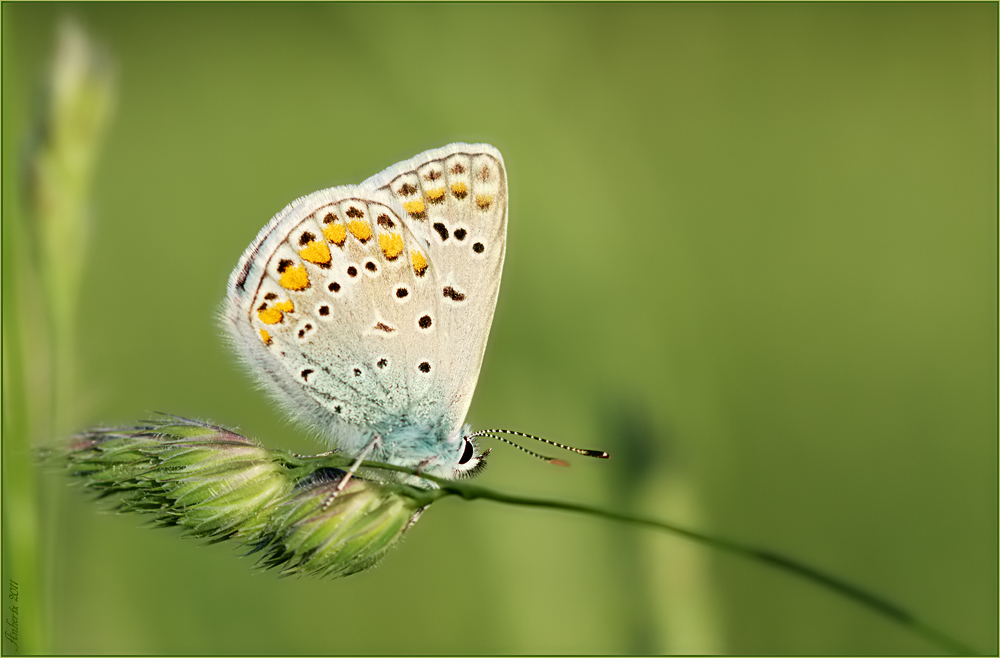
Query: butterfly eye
x=467, y=454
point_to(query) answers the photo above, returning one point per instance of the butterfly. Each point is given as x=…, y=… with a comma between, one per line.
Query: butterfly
x=365, y=309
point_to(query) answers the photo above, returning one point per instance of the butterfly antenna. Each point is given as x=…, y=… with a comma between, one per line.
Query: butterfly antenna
x=551, y=460
x=580, y=451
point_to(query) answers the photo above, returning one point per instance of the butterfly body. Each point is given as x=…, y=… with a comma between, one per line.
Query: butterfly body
x=365, y=309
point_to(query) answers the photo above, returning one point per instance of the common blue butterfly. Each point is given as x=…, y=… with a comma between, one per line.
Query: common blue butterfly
x=365, y=309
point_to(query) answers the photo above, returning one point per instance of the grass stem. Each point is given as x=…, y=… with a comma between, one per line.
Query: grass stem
x=859, y=595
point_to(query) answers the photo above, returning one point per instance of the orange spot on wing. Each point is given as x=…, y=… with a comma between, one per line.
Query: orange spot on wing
x=436, y=195
x=392, y=245
x=316, y=252
x=484, y=200
x=419, y=262
x=335, y=233
x=265, y=336
x=286, y=306
x=270, y=315
x=459, y=190
x=414, y=207
x=361, y=230
x=294, y=278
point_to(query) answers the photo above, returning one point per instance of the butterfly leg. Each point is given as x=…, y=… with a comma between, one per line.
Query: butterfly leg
x=377, y=441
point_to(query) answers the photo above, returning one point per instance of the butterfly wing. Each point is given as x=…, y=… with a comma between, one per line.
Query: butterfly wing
x=364, y=308
x=455, y=199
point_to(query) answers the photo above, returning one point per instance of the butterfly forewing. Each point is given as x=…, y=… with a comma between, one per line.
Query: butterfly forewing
x=457, y=197
x=359, y=306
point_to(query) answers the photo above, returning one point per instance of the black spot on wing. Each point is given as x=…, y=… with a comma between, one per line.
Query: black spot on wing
x=453, y=294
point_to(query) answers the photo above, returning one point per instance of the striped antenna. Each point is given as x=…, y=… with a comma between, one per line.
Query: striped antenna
x=580, y=451
x=551, y=460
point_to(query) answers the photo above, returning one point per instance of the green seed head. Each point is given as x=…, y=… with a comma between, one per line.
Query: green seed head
x=218, y=485
x=321, y=531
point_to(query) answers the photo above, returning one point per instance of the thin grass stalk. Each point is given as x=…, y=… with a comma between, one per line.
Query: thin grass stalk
x=25, y=409
x=44, y=252
x=836, y=584
x=19, y=482
x=79, y=99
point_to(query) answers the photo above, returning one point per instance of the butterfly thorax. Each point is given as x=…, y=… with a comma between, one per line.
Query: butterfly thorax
x=418, y=444
x=430, y=446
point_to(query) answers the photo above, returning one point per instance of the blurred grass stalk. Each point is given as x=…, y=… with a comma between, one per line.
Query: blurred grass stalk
x=681, y=617
x=45, y=244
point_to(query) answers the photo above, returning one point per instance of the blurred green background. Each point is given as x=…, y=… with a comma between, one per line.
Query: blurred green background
x=752, y=253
